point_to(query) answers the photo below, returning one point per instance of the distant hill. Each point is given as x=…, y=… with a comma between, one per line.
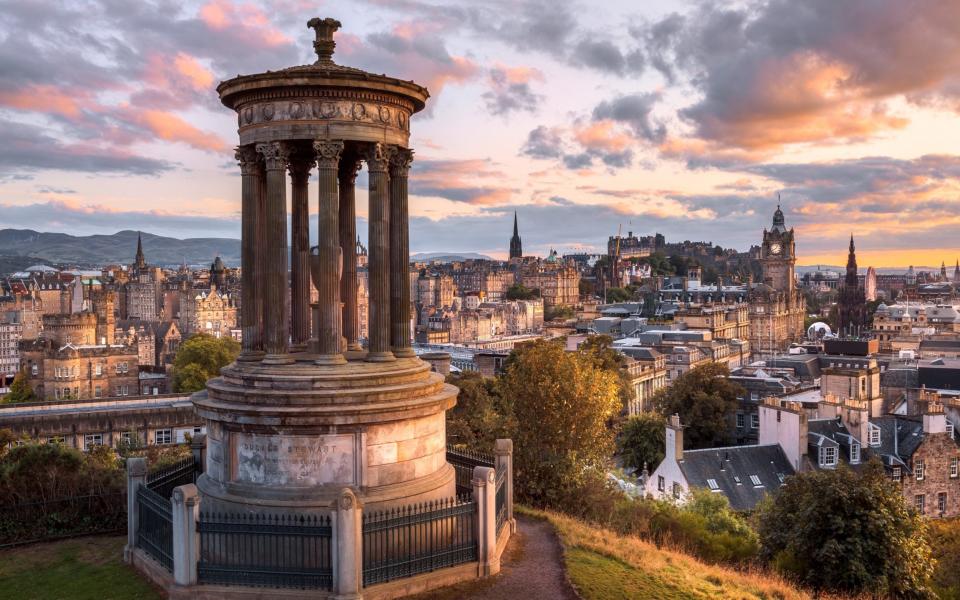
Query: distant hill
x=119, y=248
x=12, y=264
x=447, y=257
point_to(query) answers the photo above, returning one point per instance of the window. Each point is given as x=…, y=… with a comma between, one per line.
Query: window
x=919, y=502
x=741, y=420
x=828, y=456
x=197, y=430
x=942, y=502
x=755, y=481
x=778, y=416
x=92, y=439
x=661, y=484
x=918, y=469
x=163, y=436
x=954, y=467
x=98, y=369
x=34, y=370
x=874, y=435
x=126, y=390
x=713, y=484
x=676, y=490
x=950, y=429
x=896, y=474
x=754, y=420
x=781, y=477
x=854, y=453
x=126, y=438
x=736, y=480
x=56, y=439
x=97, y=392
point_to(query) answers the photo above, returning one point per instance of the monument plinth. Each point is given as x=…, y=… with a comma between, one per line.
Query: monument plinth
x=298, y=417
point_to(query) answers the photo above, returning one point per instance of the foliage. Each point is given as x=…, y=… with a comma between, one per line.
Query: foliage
x=706, y=401
x=599, y=350
x=200, y=358
x=478, y=419
x=618, y=294
x=944, y=535
x=840, y=531
x=20, y=390
x=605, y=564
x=518, y=291
x=641, y=441
x=90, y=568
x=561, y=403
x=659, y=264
x=587, y=288
x=560, y=311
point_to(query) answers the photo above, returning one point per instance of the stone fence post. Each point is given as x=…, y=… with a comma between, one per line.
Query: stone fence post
x=485, y=495
x=136, y=476
x=198, y=447
x=186, y=538
x=348, y=548
x=503, y=449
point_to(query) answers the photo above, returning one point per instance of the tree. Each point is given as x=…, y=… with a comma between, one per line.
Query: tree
x=641, y=441
x=20, y=390
x=200, y=358
x=561, y=404
x=838, y=531
x=519, y=291
x=706, y=401
x=599, y=349
x=617, y=294
x=478, y=419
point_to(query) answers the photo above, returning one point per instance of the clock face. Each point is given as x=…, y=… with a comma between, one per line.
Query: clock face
x=775, y=248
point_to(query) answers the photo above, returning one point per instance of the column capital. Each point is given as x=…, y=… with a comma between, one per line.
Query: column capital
x=299, y=166
x=276, y=155
x=400, y=161
x=248, y=159
x=328, y=153
x=378, y=158
x=350, y=164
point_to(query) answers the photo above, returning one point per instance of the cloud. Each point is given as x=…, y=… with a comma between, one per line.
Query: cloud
x=633, y=110
x=510, y=90
x=603, y=55
x=781, y=72
x=467, y=181
x=29, y=148
x=543, y=142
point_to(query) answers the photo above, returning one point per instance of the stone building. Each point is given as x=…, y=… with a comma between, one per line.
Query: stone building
x=777, y=307
x=557, y=280
x=143, y=292
x=10, y=335
x=647, y=373
x=435, y=289
x=207, y=311
x=156, y=341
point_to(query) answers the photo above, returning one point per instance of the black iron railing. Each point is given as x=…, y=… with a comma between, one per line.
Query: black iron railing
x=418, y=539
x=463, y=462
x=164, y=480
x=289, y=551
x=63, y=517
x=501, y=499
x=155, y=528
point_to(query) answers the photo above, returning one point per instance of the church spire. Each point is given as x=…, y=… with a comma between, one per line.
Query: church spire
x=516, y=247
x=851, y=278
x=140, y=261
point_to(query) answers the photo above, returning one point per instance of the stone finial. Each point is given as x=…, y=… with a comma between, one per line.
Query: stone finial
x=324, y=43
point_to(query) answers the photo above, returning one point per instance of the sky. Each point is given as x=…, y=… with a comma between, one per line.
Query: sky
x=684, y=118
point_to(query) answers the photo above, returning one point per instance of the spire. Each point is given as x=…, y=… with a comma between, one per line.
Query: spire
x=140, y=262
x=851, y=278
x=516, y=230
x=516, y=247
x=778, y=220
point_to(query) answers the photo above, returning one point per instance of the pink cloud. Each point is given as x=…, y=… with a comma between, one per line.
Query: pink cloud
x=46, y=99
x=250, y=21
x=170, y=127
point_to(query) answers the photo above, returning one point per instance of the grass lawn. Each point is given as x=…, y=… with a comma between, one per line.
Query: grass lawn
x=75, y=569
x=605, y=566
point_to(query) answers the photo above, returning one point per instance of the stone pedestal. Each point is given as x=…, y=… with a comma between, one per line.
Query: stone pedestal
x=291, y=437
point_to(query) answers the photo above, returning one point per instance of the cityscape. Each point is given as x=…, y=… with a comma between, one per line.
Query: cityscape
x=426, y=301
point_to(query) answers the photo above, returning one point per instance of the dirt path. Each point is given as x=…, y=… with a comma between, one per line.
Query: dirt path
x=531, y=569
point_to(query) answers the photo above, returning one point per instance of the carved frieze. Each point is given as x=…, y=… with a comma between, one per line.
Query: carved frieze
x=355, y=111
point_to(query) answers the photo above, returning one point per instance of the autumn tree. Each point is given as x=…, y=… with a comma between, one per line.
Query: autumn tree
x=706, y=401
x=20, y=390
x=561, y=404
x=837, y=531
x=641, y=441
x=600, y=351
x=200, y=358
x=479, y=418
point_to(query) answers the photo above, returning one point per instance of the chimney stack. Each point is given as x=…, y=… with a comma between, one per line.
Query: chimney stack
x=674, y=438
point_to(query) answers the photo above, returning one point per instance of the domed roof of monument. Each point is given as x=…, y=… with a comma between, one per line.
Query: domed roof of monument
x=322, y=73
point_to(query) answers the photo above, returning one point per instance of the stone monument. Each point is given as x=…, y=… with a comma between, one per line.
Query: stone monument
x=306, y=410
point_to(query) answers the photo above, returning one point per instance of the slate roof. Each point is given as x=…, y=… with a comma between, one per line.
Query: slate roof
x=909, y=436
x=732, y=467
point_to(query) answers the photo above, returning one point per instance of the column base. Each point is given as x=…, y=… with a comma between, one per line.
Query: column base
x=278, y=359
x=330, y=359
x=355, y=346
x=406, y=352
x=298, y=347
x=251, y=356
x=380, y=357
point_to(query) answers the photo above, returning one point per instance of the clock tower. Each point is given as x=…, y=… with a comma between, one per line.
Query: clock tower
x=778, y=255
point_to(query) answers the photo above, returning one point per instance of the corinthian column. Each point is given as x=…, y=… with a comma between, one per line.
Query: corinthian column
x=274, y=281
x=300, y=247
x=379, y=266
x=327, y=260
x=251, y=311
x=400, y=159
x=349, y=165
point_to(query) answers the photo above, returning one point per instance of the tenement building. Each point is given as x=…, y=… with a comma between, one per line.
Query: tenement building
x=143, y=292
x=777, y=307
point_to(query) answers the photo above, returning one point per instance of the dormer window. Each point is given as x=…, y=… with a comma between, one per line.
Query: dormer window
x=755, y=481
x=828, y=456
x=874, y=435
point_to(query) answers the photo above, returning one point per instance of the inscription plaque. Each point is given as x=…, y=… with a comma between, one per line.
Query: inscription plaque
x=286, y=460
